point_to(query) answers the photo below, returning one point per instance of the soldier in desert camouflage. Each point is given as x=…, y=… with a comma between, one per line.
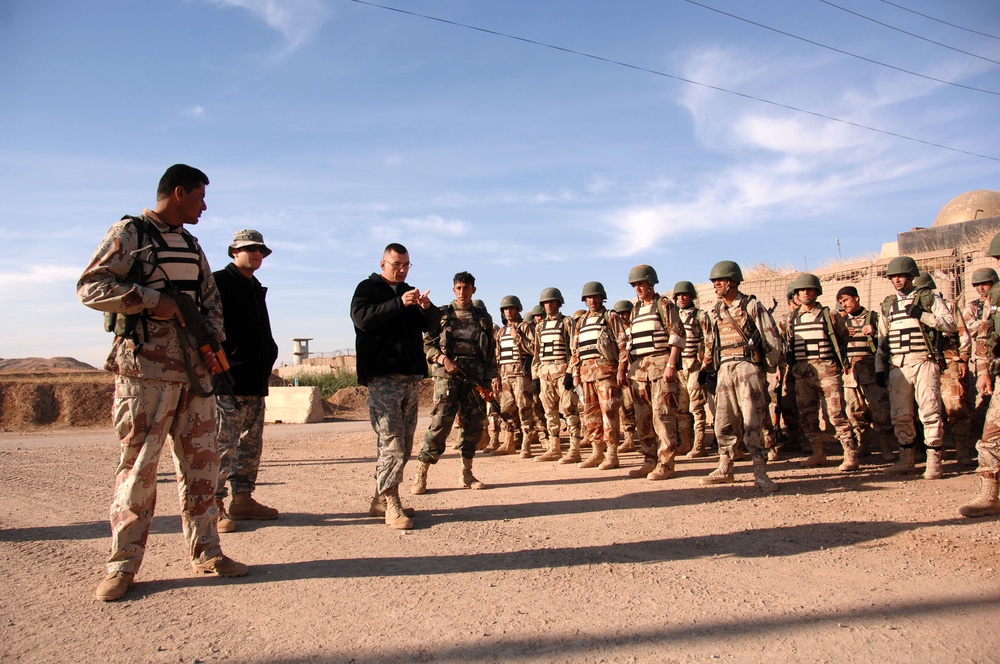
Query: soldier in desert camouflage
x=691, y=416
x=515, y=343
x=550, y=367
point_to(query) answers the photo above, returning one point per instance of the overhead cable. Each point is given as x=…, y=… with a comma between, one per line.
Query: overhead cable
x=674, y=77
x=928, y=16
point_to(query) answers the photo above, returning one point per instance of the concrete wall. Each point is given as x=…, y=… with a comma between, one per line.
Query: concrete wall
x=293, y=405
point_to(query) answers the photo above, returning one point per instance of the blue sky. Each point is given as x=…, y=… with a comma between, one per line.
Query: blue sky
x=335, y=127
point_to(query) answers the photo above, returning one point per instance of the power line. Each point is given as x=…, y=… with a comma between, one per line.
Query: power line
x=619, y=63
x=953, y=25
x=892, y=27
x=842, y=52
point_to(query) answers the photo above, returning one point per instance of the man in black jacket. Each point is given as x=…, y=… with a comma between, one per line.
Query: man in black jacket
x=252, y=351
x=390, y=317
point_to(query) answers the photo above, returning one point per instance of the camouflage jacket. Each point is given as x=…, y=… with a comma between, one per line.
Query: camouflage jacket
x=466, y=336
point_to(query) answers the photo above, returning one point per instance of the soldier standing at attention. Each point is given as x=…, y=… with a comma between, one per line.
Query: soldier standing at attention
x=817, y=340
x=624, y=309
x=977, y=321
x=598, y=353
x=251, y=351
x=389, y=319
x=461, y=348
x=550, y=366
x=986, y=502
x=743, y=346
x=163, y=385
x=691, y=409
x=653, y=355
x=515, y=343
x=537, y=316
x=907, y=329
x=863, y=396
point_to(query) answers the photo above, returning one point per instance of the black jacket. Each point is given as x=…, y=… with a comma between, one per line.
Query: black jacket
x=389, y=335
x=249, y=345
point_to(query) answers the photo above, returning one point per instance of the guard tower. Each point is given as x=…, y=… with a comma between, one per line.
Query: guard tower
x=300, y=351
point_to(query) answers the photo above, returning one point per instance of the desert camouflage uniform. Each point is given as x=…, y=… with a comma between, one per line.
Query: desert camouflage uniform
x=989, y=444
x=976, y=317
x=514, y=344
x=154, y=397
x=866, y=400
x=550, y=365
x=741, y=396
x=792, y=434
x=815, y=364
x=598, y=350
x=957, y=353
x=691, y=405
x=912, y=370
x=656, y=328
x=465, y=336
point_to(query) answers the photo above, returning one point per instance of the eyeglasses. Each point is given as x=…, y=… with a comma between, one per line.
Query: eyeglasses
x=396, y=266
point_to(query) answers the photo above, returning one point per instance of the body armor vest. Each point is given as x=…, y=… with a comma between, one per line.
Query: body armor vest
x=647, y=334
x=176, y=263
x=810, y=341
x=509, y=353
x=553, y=341
x=591, y=328
x=732, y=340
x=860, y=345
x=693, y=332
x=904, y=331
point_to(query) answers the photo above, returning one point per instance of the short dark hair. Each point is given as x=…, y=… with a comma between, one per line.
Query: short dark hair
x=180, y=175
x=464, y=278
x=395, y=247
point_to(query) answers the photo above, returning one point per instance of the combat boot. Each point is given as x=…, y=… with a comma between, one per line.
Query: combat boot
x=686, y=442
x=932, y=469
x=665, y=468
x=629, y=443
x=963, y=452
x=420, y=481
x=509, y=446
x=985, y=503
x=221, y=565
x=573, y=453
x=905, y=463
x=817, y=458
x=244, y=507
x=698, y=447
x=116, y=584
x=760, y=477
x=724, y=473
x=395, y=517
x=611, y=458
x=886, y=445
x=526, y=448
x=469, y=480
x=377, y=508
x=554, y=453
x=648, y=466
x=850, y=460
x=595, y=459
x=226, y=525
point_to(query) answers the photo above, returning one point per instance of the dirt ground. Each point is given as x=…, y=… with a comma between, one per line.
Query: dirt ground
x=552, y=563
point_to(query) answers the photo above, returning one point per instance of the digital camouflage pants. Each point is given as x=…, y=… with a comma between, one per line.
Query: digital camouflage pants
x=241, y=442
x=816, y=384
x=454, y=396
x=602, y=400
x=920, y=382
x=656, y=416
x=146, y=413
x=392, y=408
x=741, y=404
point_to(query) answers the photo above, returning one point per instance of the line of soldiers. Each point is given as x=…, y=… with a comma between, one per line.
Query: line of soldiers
x=648, y=369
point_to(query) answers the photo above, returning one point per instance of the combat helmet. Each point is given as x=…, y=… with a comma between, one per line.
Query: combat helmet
x=539, y=310
x=902, y=265
x=592, y=289
x=551, y=294
x=511, y=301
x=807, y=280
x=984, y=275
x=623, y=306
x=685, y=288
x=994, y=249
x=925, y=280
x=726, y=270
x=643, y=273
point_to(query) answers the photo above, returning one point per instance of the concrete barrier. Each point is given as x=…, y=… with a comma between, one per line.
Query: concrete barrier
x=293, y=405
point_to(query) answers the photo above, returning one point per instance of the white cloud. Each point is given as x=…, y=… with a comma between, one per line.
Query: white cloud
x=40, y=274
x=196, y=112
x=296, y=20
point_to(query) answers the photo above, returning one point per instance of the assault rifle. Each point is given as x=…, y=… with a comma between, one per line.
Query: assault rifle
x=488, y=398
x=195, y=325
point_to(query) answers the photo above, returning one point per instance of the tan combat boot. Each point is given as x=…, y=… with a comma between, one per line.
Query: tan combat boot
x=395, y=517
x=573, y=453
x=526, y=452
x=648, y=466
x=221, y=565
x=419, y=487
x=932, y=469
x=469, y=480
x=665, y=468
x=887, y=445
x=595, y=459
x=817, y=458
x=905, y=462
x=114, y=586
x=724, y=473
x=508, y=447
x=698, y=447
x=985, y=503
x=377, y=508
x=611, y=458
x=963, y=452
x=554, y=453
x=629, y=443
x=760, y=477
x=686, y=443
x=226, y=525
x=852, y=455
x=244, y=507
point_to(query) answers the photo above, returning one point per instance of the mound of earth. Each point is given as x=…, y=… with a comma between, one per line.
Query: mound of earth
x=41, y=364
x=351, y=403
